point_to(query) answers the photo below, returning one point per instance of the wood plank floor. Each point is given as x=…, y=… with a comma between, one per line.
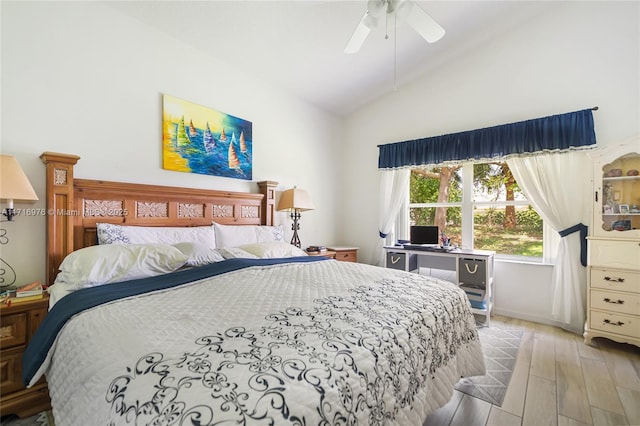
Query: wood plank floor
x=557, y=380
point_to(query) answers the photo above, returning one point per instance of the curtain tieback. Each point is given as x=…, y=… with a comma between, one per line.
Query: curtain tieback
x=382, y=234
x=583, y=239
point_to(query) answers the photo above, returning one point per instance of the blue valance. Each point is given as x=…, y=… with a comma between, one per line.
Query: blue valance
x=561, y=132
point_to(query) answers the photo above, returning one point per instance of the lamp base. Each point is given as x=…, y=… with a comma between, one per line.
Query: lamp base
x=295, y=240
x=9, y=213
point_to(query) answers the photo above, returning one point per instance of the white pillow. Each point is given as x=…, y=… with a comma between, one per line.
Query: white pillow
x=119, y=234
x=273, y=249
x=96, y=265
x=237, y=235
x=198, y=254
x=235, y=253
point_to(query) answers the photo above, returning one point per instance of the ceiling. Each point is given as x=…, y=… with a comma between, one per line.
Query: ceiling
x=298, y=44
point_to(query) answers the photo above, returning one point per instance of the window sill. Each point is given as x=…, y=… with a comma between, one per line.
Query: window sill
x=522, y=260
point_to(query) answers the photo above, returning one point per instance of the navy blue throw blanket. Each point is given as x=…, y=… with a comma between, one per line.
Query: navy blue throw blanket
x=88, y=298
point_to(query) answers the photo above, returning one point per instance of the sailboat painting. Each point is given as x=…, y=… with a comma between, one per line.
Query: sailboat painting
x=197, y=139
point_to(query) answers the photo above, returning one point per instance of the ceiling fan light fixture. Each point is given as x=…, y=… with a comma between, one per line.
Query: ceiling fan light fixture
x=414, y=15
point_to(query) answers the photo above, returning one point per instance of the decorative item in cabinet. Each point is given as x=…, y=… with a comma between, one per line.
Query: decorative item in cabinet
x=18, y=323
x=345, y=254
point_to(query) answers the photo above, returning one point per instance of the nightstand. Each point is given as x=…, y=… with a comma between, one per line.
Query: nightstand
x=18, y=323
x=327, y=253
x=345, y=254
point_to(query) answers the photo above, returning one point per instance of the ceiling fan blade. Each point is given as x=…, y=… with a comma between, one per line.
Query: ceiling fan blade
x=361, y=33
x=421, y=21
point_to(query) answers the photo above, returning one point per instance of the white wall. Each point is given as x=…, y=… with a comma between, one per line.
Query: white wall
x=579, y=55
x=81, y=78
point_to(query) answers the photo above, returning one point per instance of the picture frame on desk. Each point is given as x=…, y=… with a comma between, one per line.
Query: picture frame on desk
x=624, y=208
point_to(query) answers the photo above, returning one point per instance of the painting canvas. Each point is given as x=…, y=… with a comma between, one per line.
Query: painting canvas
x=197, y=139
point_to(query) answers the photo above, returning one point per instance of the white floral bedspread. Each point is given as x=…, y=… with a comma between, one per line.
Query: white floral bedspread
x=304, y=344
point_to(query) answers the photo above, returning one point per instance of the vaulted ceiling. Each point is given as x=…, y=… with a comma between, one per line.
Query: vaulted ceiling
x=298, y=45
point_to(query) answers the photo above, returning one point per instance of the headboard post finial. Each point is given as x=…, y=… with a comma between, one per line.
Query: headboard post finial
x=268, y=189
x=59, y=202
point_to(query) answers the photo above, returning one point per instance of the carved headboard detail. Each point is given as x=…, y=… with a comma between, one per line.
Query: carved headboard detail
x=75, y=206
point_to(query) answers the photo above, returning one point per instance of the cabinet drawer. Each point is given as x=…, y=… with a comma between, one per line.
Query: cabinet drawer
x=610, y=279
x=623, y=303
x=13, y=330
x=11, y=370
x=615, y=323
x=615, y=254
x=347, y=256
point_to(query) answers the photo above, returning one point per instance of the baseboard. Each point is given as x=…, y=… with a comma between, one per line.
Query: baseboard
x=525, y=317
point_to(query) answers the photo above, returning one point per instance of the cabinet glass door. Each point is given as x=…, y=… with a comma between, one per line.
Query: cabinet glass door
x=621, y=194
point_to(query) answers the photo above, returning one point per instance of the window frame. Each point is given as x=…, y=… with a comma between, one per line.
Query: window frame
x=550, y=238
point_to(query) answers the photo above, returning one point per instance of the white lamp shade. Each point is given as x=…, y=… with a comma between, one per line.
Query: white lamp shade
x=14, y=185
x=295, y=199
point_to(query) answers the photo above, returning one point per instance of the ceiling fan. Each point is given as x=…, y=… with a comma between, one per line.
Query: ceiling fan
x=413, y=14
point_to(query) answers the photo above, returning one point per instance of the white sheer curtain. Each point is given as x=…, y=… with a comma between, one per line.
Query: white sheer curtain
x=394, y=187
x=553, y=185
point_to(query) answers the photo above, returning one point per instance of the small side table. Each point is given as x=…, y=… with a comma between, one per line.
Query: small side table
x=18, y=323
x=345, y=254
x=327, y=253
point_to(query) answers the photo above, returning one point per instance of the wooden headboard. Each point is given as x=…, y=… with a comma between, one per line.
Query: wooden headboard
x=75, y=206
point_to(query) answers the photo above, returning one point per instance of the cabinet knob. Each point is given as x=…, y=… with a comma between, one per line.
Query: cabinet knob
x=617, y=323
x=615, y=302
x=614, y=279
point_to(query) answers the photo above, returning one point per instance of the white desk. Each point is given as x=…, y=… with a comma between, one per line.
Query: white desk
x=474, y=271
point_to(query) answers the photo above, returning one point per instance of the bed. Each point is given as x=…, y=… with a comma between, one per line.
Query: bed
x=249, y=331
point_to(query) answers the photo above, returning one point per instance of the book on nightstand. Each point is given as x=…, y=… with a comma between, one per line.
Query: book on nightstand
x=316, y=249
x=28, y=290
x=22, y=299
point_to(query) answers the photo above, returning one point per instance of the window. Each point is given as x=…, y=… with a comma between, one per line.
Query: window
x=477, y=205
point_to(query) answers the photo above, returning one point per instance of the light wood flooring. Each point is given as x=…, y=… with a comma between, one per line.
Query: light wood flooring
x=557, y=380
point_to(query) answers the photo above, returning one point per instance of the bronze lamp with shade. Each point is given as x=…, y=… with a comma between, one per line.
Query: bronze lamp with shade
x=294, y=201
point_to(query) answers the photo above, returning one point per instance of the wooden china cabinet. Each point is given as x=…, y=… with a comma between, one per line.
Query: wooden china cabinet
x=613, y=297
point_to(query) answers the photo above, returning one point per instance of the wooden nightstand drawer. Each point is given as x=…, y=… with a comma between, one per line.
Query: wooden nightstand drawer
x=345, y=254
x=13, y=330
x=11, y=370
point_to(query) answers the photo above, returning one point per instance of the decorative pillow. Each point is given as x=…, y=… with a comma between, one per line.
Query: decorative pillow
x=119, y=234
x=237, y=235
x=235, y=253
x=96, y=265
x=272, y=249
x=198, y=254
